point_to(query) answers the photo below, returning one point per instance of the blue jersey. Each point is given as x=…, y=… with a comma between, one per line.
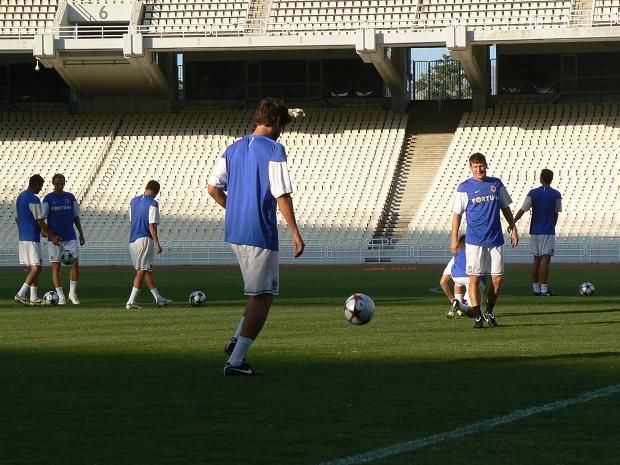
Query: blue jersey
x=253, y=172
x=481, y=201
x=143, y=210
x=545, y=203
x=60, y=211
x=458, y=267
x=28, y=209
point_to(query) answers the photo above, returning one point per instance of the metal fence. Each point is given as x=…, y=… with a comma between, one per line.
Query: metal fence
x=586, y=250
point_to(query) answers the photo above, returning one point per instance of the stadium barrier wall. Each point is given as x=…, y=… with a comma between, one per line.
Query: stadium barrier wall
x=590, y=250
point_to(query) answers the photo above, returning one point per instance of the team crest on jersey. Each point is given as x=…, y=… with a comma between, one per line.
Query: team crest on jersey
x=493, y=188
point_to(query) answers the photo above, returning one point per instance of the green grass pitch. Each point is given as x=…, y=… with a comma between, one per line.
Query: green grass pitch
x=100, y=385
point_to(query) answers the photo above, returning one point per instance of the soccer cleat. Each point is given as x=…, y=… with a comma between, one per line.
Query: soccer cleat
x=537, y=294
x=36, y=302
x=62, y=301
x=245, y=369
x=546, y=294
x=230, y=345
x=479, y=322
x=490, y=319
x=74, y=300
x=162, y=302
x=129, y=306
x=453, y=309
x=22, y=300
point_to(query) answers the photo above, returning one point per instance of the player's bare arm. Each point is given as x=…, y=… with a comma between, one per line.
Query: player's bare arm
x=48, y=232
x=285, y=204
x=512, y=226
x=454, y=241
x=153, y=230
x=217, y=194
x=78, y=225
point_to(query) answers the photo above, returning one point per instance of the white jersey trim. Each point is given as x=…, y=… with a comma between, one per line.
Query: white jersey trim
x=219, y=176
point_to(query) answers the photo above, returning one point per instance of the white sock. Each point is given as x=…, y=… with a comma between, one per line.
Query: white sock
x=239, y=326
x=133, y=296
x=72, y=287
x=459, y=297
x=544, y=288
x=60, y=292
x=536, y=287
x=33, y=293
x=156, y=293
x=24, y=290
x=243, y=344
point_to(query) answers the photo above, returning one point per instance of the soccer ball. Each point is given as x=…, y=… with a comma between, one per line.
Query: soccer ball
x=359, y=309
x=50, y=298
x=197, y=299
x=67, y=257
x=586, y=289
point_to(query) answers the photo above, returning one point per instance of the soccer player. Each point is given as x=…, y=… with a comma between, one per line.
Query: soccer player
x=481, y=198
x=546, y=203
x=144, y=242
x=251, y=181
x=30, y=223
x=62, y=211
x=455, y=271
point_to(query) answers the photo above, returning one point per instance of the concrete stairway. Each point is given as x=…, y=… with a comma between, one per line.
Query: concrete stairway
x=429, y=132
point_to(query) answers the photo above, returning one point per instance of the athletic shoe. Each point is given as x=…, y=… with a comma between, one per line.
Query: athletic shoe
x=546, y=294
x=22, y=300
x=479, y=322
x=162, y=302
x=453, y=309
x=490, y=319
x=36, y=302
x=245, y=369
x=62, y=301
x=537, y=294
x=74, y=300
x=230, y=345
x=129, y=306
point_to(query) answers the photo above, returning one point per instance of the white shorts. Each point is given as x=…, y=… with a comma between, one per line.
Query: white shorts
x=483, y=260
x=142, y=253
x=54, y=251
x=259, y=268
x=29, y=253
x=542, y=244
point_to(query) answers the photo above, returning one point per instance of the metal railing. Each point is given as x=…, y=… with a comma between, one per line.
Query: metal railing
x=586, y=250
x=270, y=27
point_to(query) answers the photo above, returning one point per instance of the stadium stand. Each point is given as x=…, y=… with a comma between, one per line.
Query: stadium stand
x=48, y=143
x=576, y=141
x=191, y=15
x=31, y=14
x=337, y=159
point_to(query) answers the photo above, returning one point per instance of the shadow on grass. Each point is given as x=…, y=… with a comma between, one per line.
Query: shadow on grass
x=131, y=408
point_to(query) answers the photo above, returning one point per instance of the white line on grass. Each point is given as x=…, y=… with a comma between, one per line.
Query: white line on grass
x=484, y=425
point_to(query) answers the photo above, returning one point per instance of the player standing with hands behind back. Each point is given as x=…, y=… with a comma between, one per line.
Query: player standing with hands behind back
x=251, y=181
x=481, y=198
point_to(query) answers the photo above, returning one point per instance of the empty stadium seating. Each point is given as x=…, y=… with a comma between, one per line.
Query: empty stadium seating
x=338, y=161
x=577, y=142
x=47, y=143
x=30, y=14
x=606, y=13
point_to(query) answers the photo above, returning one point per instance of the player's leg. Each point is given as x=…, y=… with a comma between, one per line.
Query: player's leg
x=546, y=251
x=54, y=252
x=260, y=271
x=444, y=283
x=496, y=255
x=476, y=258
x=160, y=300
x=139, y=256
x=74, y=275
x=23, y=294
x=535, y=249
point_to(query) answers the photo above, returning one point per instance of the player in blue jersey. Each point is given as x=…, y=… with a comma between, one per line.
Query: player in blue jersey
x=251, y=181
x=30, y=223
x=546, y=203
x=62, y=211
x=143, y=243
x=481, y=198
x=455, y=271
